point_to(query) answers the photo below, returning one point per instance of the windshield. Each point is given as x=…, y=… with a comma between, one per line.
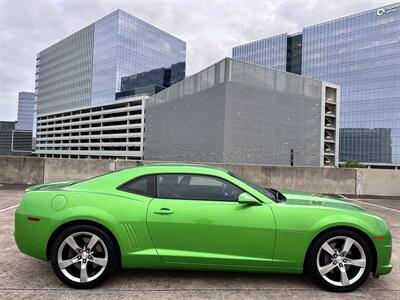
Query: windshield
x=271, y=194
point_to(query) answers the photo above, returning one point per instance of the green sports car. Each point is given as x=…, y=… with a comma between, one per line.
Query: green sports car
x=200, y=218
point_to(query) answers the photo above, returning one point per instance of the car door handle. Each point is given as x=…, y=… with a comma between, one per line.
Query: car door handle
x=164, y=211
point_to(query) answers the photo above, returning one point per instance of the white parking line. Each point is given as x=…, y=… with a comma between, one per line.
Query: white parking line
x=8, y=208
x=367, y=203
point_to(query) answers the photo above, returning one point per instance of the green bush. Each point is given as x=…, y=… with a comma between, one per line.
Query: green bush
x=353, y=164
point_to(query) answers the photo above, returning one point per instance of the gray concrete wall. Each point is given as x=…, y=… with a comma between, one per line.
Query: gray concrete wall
x=21, y=170
x=307, y=179
x=34, y=170
x=58, y=169
x=235, y=112
x=189, y=129
x=378, y=182
x=268, y=113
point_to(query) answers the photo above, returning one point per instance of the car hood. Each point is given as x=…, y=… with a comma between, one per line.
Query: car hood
x=319, y=200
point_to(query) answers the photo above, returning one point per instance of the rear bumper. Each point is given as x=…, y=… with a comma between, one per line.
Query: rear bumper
x=32, y=237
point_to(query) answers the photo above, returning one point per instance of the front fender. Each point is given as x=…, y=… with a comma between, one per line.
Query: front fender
x=345, y=220
x=298, y=226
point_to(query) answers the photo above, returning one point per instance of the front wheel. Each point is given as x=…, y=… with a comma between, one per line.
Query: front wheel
x=83, y=256
x=340, y=261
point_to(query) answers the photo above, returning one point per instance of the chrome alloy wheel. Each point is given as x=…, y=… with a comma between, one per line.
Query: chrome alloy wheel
x=341, y=261
x=82, y=257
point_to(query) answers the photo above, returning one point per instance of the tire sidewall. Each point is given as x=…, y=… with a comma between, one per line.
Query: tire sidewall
x=312, y=267
x=109, y=243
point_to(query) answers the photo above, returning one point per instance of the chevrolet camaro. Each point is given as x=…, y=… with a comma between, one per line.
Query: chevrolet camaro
x=181, y=216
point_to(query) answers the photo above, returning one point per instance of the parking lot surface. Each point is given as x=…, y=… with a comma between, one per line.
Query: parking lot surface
x=23, y=277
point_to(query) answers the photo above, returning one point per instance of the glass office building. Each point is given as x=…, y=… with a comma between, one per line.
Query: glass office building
x=269, y=52
x=25, y=111
x=151, y=82
x=361, y=53
x=86, y=67
x=14, y=141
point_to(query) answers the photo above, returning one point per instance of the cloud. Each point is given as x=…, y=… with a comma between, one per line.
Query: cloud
x=210, y=28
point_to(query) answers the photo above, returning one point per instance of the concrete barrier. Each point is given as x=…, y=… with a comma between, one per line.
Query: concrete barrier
x=21, y=170
x=378, y=182
x=307, y=179
x=123, y=164
x=34, y=170
x=58, y=169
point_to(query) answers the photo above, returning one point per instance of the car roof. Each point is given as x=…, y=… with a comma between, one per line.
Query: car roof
x=181, y=165
x=153, y=168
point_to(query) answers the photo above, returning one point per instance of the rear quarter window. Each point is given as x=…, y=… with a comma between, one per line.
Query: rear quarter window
x=144, y=185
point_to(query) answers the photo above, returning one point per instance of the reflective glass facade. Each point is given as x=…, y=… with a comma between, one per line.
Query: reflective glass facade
x=25, y=111
x=361, y=53
x=105, y=58
x=7, y=125
x=294, y=53
x=372, y=145
x=125, y=45
x=64, y=73
x=14, y=141
x=86, y=68
x=269, y=52
x=151, y=82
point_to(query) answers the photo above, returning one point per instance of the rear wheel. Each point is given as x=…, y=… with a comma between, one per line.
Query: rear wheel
x=83, y=256
x=340, y=261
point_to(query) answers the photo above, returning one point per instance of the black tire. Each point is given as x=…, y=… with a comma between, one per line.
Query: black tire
x=83, y=233
x=334, y=237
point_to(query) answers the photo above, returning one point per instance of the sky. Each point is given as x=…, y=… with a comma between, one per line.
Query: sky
x=210, y=29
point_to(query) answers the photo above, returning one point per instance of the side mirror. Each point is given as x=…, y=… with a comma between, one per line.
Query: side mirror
x=247, y=199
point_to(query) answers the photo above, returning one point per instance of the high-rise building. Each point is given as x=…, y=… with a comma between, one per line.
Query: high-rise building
x=25, y=111
x=361, y=53
x=86, y=67
x=91, y=87
x=7, y=125
x=237, y=112
x=14, y=142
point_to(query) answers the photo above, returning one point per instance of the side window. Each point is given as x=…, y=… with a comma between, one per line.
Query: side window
x=196, y=187
x=144, y=185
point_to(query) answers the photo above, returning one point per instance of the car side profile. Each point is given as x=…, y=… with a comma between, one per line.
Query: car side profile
x=196, y=217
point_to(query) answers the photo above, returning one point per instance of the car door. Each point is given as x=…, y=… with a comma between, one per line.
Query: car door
x=196, y=219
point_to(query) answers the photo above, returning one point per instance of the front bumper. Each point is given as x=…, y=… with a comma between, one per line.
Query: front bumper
x=384, y=254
